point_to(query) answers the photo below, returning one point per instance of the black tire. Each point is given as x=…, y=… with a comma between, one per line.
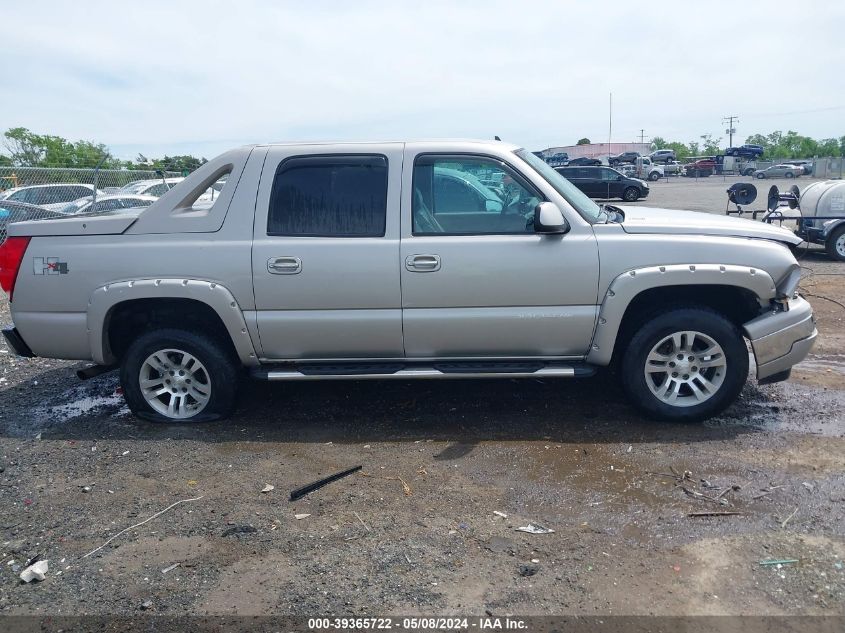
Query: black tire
x=631, y=194
x=760, y=176
x=748, y=172
x=830, y=244
x=218, y=361
x=789, y=174
x=652, y=331
x=654, y=176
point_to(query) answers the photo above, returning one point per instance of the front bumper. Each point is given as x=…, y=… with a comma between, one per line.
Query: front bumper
x=18, y=345
x=782, y=339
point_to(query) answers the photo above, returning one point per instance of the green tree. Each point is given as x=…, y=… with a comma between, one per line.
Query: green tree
x=659, y=142
x=583, y=141
x=710, y=146
x=28, y=149
x=828, y=147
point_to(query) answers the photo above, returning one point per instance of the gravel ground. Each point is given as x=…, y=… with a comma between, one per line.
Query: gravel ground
x=450, y=470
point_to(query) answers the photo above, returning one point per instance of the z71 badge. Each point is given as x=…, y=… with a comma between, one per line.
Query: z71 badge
x=48, y=266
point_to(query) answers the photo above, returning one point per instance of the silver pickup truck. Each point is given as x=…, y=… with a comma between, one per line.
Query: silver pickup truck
x=461, y=259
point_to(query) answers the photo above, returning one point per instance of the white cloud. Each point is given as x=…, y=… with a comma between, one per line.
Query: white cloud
x=199, y=77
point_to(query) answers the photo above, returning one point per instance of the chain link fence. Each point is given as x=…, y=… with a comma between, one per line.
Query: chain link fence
x=31, y=193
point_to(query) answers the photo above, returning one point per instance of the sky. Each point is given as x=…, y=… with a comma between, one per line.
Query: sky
x=192, y=77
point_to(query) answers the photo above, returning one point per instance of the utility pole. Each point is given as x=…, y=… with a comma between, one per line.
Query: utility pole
x=642, y=135
x=731, y=129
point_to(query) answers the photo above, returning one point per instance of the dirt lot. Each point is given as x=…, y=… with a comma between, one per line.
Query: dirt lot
x=416, y=532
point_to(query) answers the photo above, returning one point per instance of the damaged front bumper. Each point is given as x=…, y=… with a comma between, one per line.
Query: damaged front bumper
x=781, y=339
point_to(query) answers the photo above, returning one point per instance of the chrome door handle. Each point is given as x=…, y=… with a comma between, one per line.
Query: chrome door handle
x=422, y=263
x=284, y=265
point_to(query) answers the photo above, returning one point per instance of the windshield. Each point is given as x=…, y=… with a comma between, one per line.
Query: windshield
x=574, y=196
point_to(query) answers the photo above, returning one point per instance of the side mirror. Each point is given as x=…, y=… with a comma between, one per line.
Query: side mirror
x=548, y=219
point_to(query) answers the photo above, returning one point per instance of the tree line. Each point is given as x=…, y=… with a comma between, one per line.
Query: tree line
x=25, y=148
x=777, y=145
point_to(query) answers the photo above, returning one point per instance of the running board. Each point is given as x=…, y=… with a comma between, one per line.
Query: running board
x=406, y=371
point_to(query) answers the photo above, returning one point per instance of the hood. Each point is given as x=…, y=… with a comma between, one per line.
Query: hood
x=670, y=221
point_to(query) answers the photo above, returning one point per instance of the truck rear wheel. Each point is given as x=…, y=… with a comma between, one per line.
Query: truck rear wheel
x=835, y=244
x=685, y=365
x=173, y=375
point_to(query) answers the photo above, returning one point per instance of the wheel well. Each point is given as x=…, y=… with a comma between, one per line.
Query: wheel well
x=127, y=320
x=738, y=305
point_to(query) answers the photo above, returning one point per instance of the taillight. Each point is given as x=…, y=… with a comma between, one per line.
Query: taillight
x=11, y=256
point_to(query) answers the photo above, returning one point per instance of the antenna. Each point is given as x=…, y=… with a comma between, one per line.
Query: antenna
x=610, y=126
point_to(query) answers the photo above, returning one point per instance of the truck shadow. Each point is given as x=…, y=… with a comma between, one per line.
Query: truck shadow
x=463, y=412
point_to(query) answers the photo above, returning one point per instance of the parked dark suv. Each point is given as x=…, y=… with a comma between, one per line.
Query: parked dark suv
x=604, y=182
x=583, y=161
x=624, y=157
x=745, y=151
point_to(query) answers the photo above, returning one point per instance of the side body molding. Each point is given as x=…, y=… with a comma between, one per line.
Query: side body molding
x=629, y=284
x=216, y=296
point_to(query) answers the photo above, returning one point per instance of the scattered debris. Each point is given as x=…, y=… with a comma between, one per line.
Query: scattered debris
x=132, y=527
x=405, y=487
x=528, y=570
x=239, y=529
x=146, y=604
x=362, y=521
x=785, y=561
x=809, y=486
x=36, y=571
x=500, y=514
x=170, y=568
x=299, y=517
x=268, y=488
x=500, y=544
x=532, y=528
x=38, y=437
x=316, y=485
x=713, y=514
x=86, y=488
x=698, y=495
x=787, y=519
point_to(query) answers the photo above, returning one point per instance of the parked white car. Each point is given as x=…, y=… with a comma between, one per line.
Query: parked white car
x=106, y=203
x=154, y=187
x=159, y=187
x=52, y=197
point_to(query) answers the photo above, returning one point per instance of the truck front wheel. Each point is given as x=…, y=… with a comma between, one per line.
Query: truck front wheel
x=173, y=375
x=685, y=365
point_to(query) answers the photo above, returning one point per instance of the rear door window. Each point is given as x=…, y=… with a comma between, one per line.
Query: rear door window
x=329, y=196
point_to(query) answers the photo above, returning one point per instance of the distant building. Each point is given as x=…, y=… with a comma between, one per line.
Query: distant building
x=597, y=150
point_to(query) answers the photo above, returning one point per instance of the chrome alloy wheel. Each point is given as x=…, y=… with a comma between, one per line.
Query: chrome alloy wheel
x=840, y=245
x=175, y=383
x=685, y=369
